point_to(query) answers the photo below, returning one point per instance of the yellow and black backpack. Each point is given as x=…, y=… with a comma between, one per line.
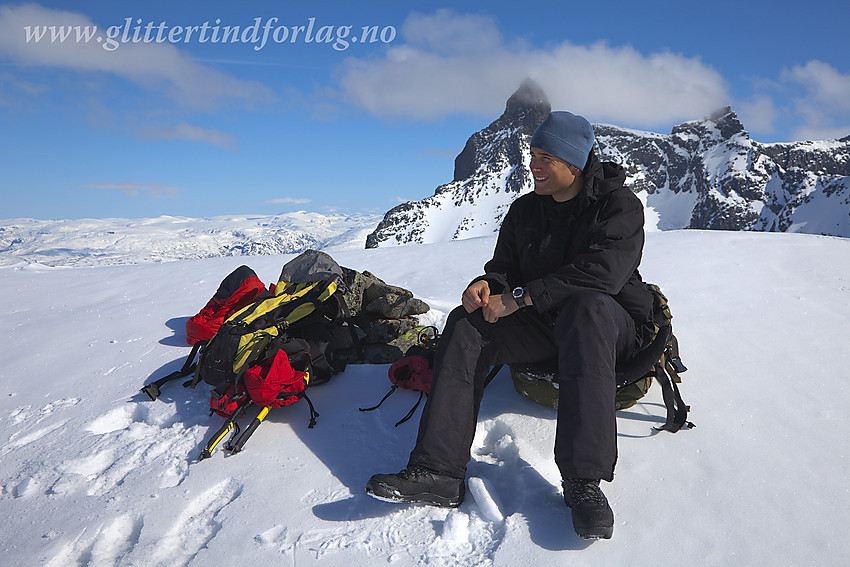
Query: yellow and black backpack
x=307, y=310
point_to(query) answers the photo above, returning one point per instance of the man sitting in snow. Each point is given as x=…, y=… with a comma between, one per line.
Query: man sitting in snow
x=563, y=284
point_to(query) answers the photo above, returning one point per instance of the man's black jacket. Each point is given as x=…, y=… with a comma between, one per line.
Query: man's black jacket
x=593, y=241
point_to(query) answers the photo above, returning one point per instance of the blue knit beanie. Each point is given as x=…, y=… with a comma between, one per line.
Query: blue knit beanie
x=566, y=136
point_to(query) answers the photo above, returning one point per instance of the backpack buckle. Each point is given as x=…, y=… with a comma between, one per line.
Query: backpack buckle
x=677, y=363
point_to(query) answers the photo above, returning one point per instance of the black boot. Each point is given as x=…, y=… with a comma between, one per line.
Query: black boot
x=417, y=484
x=592, y=516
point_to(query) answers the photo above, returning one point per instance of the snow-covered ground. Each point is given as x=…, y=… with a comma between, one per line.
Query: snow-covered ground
x=91, y=473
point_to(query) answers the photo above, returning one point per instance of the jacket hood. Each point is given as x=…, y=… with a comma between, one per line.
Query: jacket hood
x=601, y=178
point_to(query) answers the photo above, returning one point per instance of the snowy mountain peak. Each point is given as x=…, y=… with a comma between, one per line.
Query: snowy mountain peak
x=529, y=95
x=719, y=126
x=490, y=173
x=706, y=174
x=524, y=111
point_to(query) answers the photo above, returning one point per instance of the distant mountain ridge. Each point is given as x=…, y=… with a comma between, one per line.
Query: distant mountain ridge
x=732, y=181
x=89, y=242
x=705, y=174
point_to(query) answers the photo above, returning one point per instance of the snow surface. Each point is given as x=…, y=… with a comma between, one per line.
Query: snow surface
x=93, y=474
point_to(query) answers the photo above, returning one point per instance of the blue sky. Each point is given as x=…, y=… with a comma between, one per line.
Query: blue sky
x=151, y=120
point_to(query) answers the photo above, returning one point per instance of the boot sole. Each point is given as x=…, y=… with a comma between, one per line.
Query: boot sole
x=601, y=532
x=381, y=491
x=592, y=532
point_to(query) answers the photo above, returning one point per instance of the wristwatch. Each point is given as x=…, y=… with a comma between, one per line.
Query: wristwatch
x=519, y=296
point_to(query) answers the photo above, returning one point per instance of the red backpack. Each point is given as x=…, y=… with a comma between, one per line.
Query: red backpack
x=236, y=291
x=273, y=383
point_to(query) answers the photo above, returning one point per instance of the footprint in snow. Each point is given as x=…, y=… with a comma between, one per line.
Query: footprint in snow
x=127, y=439
x=108, y=545
x=27, y=417
x=196, y=526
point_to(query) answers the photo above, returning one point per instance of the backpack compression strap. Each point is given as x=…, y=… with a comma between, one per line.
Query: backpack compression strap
x=404, y=373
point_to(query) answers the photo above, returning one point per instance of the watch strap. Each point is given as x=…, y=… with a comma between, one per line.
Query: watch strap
x=519, y=300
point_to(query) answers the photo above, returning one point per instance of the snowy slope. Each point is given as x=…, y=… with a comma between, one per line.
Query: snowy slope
x=92, y=474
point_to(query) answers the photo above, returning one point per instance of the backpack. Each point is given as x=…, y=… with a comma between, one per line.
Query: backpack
x=658, y=361
x=306, y=310
x=278, y=381
x=238, y=289
x=296, y=316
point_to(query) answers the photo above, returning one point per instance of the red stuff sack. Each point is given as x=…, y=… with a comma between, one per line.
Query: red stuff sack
x=268, y=383
x=229, y=402
x=412, y=373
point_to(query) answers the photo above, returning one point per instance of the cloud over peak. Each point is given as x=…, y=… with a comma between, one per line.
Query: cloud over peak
x=452, y=63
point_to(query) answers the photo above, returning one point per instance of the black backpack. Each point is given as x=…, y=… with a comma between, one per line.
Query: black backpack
x=658, y=361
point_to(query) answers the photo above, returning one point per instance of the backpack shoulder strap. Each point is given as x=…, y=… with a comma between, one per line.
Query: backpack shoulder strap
x=667, y=373
x=153, y=389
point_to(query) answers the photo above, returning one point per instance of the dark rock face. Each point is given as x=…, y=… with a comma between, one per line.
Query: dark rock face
x=709, y=174
x=524, y=111
x=704, y=174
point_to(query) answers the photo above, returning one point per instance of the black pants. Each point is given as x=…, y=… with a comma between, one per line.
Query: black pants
x=590, y=333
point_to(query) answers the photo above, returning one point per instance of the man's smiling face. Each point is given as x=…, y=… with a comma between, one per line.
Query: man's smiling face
x=553, y=176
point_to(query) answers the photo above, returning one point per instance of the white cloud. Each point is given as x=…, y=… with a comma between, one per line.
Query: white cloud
x=449, y=33
x=824, y=103
x=452, y=63
x=758, y=114
x=188, y=132
x=157, y=190
x=824, y=84
x=159, y=67
x=815, y=132
x=289, y=200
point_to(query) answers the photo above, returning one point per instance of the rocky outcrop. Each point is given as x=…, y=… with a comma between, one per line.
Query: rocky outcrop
x=709, y=174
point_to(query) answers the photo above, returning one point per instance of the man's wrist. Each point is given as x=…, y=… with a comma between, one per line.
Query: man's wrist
x=519, y=294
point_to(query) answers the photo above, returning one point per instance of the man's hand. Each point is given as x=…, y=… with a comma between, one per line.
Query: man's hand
x=475, y=296
x=492, y=306
x=499, y=306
